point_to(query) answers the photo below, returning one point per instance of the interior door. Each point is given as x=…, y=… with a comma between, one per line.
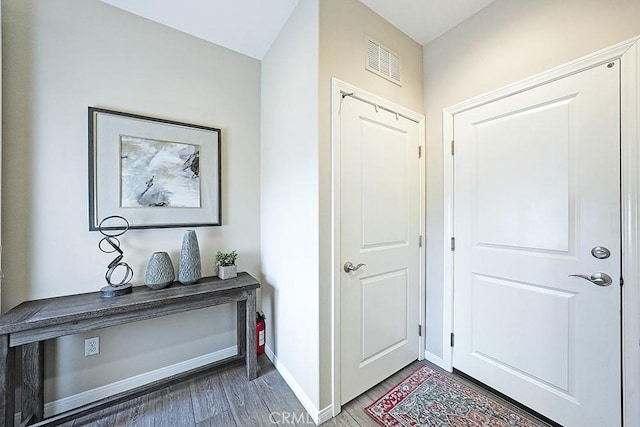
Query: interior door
x=380, y=226
x=537, y=200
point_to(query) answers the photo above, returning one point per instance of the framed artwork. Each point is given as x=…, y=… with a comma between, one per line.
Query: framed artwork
x=155, y=173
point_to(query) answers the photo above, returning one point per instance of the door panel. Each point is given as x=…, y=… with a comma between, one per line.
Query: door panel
x=537, y=186
x=503, y=204
x=385, y=150
x=528, y=300
x=385, y=293
x=380, y=225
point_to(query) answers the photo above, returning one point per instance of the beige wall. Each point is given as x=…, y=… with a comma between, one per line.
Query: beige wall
x=506, y=42
x=344, y=25
x=289, y=200
x=296, y=178
x=61, y=56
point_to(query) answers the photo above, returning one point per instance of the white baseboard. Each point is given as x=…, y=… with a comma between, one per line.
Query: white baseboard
x=437, y=360
x=295, y=387
x=325, y=414
x=71, y=402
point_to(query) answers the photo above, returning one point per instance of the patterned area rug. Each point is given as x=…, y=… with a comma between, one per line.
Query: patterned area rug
x=428, y=398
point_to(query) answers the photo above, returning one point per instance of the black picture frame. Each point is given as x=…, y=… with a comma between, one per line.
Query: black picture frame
x=123, y=150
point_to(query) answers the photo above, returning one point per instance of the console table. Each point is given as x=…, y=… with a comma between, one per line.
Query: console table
x=32, y=322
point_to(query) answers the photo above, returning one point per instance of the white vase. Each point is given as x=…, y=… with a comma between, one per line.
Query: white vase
x=227, y=271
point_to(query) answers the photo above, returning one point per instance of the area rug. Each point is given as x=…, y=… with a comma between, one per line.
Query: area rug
x=429, y=398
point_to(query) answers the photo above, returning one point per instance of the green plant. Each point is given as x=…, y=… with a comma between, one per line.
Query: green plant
x=225, y=259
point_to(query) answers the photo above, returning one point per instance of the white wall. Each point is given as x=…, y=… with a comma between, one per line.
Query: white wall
x=61, y=56
x=503, y=43
x=289, y=201
x=322, y=39
x=344, y=26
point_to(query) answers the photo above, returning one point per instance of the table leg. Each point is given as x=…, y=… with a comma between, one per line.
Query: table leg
x=32, y=382
x=240, y=327
x=7, y=389
x=251, y=358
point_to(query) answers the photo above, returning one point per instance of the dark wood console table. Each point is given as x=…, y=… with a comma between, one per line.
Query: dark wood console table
x=32, y=322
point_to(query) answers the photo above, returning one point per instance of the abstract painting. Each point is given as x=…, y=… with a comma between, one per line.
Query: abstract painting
x=159, y=174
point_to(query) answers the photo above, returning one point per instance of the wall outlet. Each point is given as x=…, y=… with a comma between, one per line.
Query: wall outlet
x=91, y=346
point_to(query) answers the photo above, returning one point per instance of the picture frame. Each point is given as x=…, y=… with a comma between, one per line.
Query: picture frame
x=156, y=173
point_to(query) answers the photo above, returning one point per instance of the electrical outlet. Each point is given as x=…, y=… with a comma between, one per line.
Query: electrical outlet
x=91, y=346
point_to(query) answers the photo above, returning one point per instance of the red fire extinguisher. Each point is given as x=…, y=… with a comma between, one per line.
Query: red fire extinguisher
x=260, y=327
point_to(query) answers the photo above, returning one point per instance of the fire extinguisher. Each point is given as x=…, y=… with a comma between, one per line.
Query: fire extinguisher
x=260, y=327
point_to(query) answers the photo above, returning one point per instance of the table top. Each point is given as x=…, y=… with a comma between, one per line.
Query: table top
x=64, y=309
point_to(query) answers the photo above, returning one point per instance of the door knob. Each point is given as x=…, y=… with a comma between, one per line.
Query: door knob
x=600, y=279
x=349, y=267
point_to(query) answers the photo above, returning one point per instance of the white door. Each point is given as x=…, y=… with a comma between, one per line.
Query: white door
x=380, y=226
x=537, y=188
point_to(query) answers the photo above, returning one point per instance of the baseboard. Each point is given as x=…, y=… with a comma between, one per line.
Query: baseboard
x=325, y=414
x=71, y=402
x=439, y=361
x=295, y=387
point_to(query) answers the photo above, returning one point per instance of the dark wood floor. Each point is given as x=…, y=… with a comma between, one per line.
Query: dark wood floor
x=225, y=398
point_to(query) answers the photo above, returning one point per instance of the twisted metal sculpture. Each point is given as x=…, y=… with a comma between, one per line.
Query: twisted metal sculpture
x=111, y=244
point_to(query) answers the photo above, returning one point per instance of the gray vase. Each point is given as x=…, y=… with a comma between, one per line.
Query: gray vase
x=159, y=271
x=189, y=270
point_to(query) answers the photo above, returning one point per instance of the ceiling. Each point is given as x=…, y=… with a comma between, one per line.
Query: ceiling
x=250, y=26
x=424, y=20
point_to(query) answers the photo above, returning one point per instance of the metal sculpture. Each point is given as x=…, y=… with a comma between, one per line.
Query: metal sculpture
x=111, y=244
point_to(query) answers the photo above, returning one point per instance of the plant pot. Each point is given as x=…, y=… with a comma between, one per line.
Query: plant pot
x=160, y=272
x=227, y=272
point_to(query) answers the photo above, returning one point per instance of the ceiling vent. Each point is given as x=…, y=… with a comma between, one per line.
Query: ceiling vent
x=383, y=62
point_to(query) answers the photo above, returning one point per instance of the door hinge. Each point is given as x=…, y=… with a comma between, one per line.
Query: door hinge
x=453, y=147
x=621, y=281
x=420, y=241
x=452, y=339
x=419, y=151
x=453, y=243
x=419, y=330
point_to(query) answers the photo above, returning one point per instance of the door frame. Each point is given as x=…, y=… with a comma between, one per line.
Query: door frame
x=628, y=52
x=336, y=98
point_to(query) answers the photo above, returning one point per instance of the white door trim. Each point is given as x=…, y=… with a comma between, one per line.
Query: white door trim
x=629, y=54
x=630, y=129
x=336, y=98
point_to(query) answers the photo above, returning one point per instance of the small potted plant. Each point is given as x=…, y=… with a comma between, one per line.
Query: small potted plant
x=226, y=262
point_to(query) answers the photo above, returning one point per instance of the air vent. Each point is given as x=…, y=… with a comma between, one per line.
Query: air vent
x=383, y=62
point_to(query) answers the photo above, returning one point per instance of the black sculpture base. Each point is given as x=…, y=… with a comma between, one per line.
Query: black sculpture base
x=115, y=291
